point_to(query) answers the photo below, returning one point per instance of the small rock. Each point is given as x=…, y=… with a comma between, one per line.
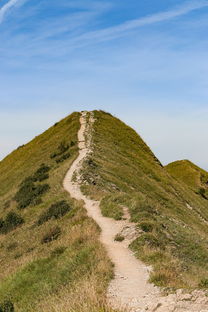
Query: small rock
x=179, y=292
x=186, y=297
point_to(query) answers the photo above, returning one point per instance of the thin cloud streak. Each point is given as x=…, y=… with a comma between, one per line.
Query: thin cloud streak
x=6, y=8
x=116, y=31
x=45, y=41
x=9, y=5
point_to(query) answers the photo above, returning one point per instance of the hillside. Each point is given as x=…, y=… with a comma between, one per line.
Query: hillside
x=51, y=256
x=190, y=174
x=51, y=259
x=123, y=172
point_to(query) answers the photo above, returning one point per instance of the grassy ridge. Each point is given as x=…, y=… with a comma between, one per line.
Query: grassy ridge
x=123, y=171
x=44, y=264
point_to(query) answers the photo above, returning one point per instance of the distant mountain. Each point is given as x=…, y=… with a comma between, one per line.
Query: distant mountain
x=190, y=174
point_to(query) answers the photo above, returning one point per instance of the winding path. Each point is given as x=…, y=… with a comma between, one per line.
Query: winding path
x=130, y=288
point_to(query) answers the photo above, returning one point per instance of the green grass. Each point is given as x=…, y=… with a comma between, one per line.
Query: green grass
x=57, y=258
x=111, y=208
x=123, y=171
x=119, y=238
x=191, y=175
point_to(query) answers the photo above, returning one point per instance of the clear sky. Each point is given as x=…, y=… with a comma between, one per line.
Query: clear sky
x=144, y=61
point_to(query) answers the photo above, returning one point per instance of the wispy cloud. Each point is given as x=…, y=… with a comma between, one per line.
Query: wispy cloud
x=47, y=38
x=4, y=9
x=119, y=30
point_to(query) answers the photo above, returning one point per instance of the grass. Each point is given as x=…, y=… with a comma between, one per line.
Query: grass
x=110, y=207
x=55, y=211
x=11, y=222
x=123, y=171
x=60, y=264
x=119, y=238
x=190, y=174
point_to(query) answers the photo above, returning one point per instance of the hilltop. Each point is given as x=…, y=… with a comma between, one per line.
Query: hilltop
x=51, y=256
x=190, y=174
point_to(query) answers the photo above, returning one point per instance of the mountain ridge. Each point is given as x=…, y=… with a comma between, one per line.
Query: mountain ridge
x=121, y=171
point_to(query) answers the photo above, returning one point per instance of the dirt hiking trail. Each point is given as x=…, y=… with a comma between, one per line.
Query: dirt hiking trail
x=129, y=289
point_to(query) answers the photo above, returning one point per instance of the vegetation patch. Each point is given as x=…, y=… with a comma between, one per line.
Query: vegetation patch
x=51, y=235
x=54, y=272
x=202, y=192
x=30, y=194
x=146, y=226
x=41, y=174
x=111, y=207
x=62, y=149
x=58, y=251
x=6, y=306
x=11, y=222
x=63, y=158
x=55, y=211
x=119, y=238
x=204, y=283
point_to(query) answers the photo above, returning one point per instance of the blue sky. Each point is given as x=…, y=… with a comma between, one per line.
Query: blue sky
x=144, y=61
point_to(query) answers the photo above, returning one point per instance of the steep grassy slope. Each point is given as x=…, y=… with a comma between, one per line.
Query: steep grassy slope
x=122, y=171
x=51, y=259
x=190, y=174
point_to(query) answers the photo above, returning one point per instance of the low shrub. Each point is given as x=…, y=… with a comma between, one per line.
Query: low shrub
x=7, y=306
x=204, y=283
x=202, y=192
x=51, y=235
x=55, y=211
x=119, y=238
x=62, y=148
x=29, y=193
x=41, y=174
x=11, y=222
x=146, y=226
x=62, y=158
